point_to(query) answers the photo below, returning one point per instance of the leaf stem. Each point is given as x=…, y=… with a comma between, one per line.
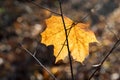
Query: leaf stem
x=70, y=60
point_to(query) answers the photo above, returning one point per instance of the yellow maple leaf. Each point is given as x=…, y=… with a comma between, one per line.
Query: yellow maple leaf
x=79, y=38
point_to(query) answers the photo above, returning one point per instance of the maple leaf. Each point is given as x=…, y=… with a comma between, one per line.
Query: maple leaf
x=79, y=38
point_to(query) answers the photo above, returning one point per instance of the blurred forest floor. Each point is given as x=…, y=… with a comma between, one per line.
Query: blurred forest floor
x=22, y=22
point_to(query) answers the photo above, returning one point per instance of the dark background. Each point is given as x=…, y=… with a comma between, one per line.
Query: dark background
x=22, y=22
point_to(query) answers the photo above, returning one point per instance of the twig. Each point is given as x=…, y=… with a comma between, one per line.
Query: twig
x=70, y=60
x=108, y=27
x=44, y=8
x=33, y=55
x=65, y=40
x=104, y=59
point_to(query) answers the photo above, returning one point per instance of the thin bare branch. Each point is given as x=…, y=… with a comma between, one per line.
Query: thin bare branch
x=108, y=27
x=33, y=55
x=44, y=8
x=104, y=59
x=70, y=60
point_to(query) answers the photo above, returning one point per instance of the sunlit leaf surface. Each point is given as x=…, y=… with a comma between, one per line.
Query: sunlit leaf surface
x=79, y=37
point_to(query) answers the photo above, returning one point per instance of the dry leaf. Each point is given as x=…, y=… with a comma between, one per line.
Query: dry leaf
x=79, y=38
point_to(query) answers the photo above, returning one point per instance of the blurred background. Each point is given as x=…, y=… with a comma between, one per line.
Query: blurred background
x=21, y=21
